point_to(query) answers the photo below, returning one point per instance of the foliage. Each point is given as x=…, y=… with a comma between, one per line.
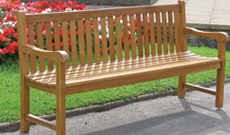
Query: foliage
x=8, y=21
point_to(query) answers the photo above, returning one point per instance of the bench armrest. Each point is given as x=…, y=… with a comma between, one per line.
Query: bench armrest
x=214, y=35
x=60, y=56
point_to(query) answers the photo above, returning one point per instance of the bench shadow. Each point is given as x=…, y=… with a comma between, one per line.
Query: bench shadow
x=180, y=123
x=185, y=122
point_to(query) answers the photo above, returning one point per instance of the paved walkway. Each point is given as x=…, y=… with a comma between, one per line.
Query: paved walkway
x=208, y=14
x=193, y=115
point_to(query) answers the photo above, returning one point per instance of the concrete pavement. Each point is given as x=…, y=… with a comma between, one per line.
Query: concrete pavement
x=205, y=14
x=193, y=115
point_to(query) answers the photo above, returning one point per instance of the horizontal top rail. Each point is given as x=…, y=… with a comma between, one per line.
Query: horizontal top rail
x=62, y=16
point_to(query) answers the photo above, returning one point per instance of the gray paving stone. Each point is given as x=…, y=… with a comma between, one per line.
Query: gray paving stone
x=159, y=2
x=198, y=18
x=201, y=5
x=221, y=13
x=197, y=9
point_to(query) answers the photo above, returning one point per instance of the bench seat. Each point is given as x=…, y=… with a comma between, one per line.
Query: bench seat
x=100, y=73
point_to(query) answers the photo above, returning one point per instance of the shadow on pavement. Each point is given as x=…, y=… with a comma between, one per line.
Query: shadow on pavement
x=184, y=122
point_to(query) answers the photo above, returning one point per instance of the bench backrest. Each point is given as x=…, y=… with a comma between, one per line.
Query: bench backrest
x=107, y=34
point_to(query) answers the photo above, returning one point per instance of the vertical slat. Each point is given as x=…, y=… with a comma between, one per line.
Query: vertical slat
x=96, y=41
x=165, y=33
x=40, y=45
x=133, y=40
x=81, y=42
x=177, y=31
x=158, y=25
x=146, y=37
x=73, y=44
x=119, y=43
x=89, y=41
x=33, y=65
x=65, y=40
x=49, y=43
x=126, y=37
x=57, y=36
x=171, y=35
x=139, y=36
x=152, y=33
x=111, y=39
x=104, y=40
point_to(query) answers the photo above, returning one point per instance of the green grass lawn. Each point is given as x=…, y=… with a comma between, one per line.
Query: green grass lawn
x=44, y=103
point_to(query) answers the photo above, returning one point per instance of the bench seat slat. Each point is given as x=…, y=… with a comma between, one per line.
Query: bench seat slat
x=119, y=68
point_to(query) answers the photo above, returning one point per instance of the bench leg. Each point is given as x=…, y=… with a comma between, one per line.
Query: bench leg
x=60, y=114
x=220, y=88
x=181, y=87
x=25, y=104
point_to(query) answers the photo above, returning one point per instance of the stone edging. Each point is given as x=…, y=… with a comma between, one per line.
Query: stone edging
x=15, y=125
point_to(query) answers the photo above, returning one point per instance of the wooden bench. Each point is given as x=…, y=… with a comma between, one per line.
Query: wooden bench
x=153, y=46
